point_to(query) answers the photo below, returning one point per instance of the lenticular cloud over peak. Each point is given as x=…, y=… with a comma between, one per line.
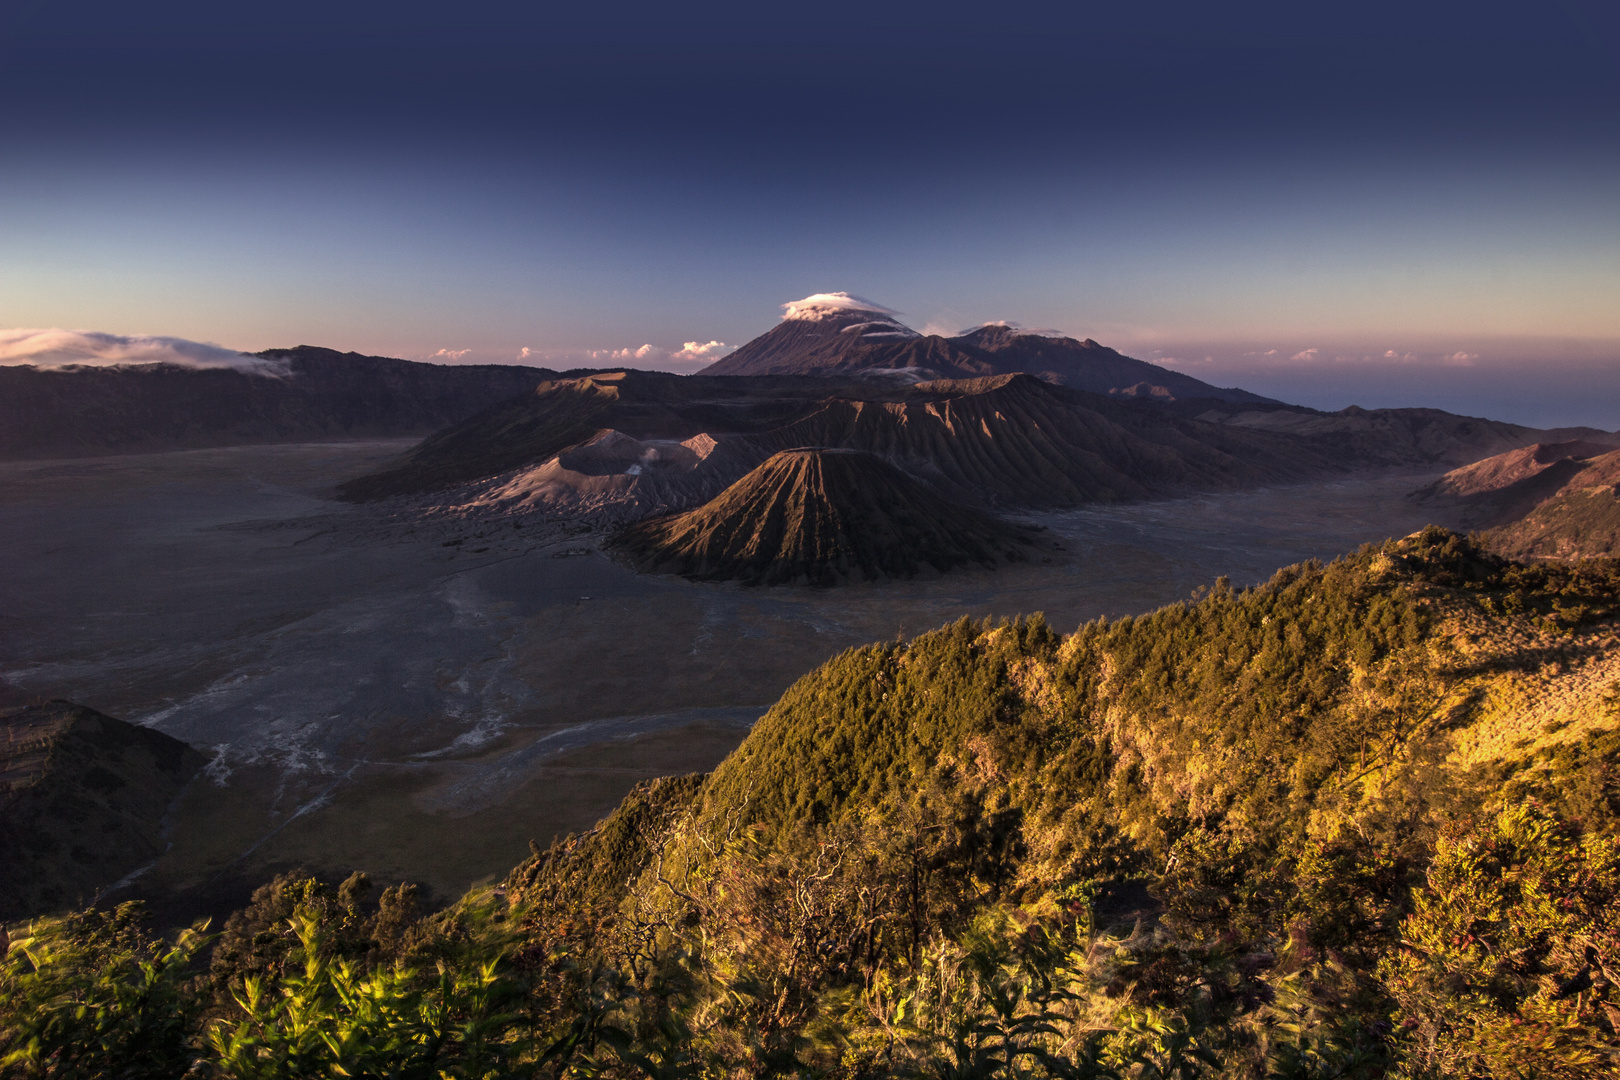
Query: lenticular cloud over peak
x=55, y=348
x=823, y=304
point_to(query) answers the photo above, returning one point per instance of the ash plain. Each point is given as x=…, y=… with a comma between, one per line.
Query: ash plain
x=421, y=696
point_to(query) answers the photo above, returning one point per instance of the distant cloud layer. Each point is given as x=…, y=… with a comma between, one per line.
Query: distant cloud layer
x=689, y=357
x=55, y=348
x=625, y=356
x=1274, y=359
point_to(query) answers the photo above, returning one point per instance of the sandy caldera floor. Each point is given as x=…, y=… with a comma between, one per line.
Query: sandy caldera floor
x=422, y=698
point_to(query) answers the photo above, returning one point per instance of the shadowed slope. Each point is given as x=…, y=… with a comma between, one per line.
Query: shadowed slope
x=1507, y=486
x=1548, y=501
x=821, y=516
x=82, y=800
x=1578, y=521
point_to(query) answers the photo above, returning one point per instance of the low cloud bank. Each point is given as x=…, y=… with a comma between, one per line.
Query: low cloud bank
x=1541, y=382
x=57, y=348
x=689, y=357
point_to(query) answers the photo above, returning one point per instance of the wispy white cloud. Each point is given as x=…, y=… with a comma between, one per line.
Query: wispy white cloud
x=1460, y=358
x=56, y=348
x=453, y=356
x=1306, y=354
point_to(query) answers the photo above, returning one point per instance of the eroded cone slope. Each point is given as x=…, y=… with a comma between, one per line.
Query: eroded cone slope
x=821, y=516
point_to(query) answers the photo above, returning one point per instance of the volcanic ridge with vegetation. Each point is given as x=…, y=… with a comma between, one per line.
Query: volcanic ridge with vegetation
x=1358, y=821
x=1548, y=501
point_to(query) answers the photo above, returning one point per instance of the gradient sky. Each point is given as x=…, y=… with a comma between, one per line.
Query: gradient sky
x=1426, y=195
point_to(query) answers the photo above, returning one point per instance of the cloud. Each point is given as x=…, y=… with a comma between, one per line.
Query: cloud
x=57, y=348
x=620, y=356
x=708, y=351
x=689, y=357
x=452, y=355
x=1306, y=354
x=822, y=304
x=1460, y=359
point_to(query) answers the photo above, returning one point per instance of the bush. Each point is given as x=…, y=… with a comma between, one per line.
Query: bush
x=93, y=994
x=1504, y=964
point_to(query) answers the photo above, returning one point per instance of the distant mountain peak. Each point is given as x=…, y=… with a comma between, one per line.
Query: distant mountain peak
x=1001, y=328
x=840, y=334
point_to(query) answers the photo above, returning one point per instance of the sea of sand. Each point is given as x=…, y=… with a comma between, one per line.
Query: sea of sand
x=422, y=697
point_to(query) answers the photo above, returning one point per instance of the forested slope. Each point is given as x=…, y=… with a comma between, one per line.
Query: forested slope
x=1357, y=821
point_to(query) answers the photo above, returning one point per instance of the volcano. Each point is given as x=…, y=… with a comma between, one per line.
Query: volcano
x=821, y=516
x=840, y=334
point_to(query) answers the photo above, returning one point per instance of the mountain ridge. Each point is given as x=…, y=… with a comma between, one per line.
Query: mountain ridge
x=647, y=443
x=844, y=340
x=1551, y=501
x=630, y=444
x=87, y=411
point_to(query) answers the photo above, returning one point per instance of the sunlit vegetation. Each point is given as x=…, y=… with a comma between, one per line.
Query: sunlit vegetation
x=1232, y=838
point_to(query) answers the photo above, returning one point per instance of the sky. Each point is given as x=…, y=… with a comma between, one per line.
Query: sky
x=1374, y=203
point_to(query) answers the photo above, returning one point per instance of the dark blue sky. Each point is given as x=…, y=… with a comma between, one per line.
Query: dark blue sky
x=1387, y=184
